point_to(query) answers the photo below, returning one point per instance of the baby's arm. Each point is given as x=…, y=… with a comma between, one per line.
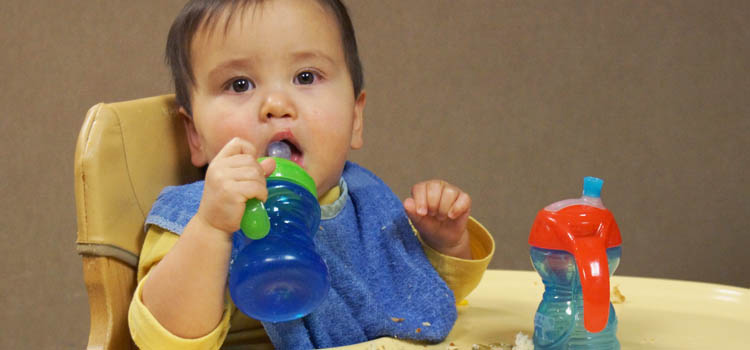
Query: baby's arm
x=440, y=211
x=185, y=292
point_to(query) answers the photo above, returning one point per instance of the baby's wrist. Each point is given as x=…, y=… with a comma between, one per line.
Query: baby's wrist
x=462, y=248
x=207, y=229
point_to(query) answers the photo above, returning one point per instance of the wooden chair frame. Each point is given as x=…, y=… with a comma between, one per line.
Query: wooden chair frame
x=125, y=154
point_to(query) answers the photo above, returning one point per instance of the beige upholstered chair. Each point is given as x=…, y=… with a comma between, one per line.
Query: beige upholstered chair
x=126, y=153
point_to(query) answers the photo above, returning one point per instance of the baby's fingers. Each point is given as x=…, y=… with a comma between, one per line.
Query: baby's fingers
x=411, y=208
x=447, y=199
x=237, y=146
x=268, y=165
x=433, y=195
x=252, y=189
x=461, y=206
x=419, y=194
x=248, y=166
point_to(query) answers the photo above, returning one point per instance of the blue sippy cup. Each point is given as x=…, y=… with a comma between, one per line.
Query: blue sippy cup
x=275, y=274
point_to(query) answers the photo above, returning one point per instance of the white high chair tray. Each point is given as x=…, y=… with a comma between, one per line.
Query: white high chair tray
x=656, y=314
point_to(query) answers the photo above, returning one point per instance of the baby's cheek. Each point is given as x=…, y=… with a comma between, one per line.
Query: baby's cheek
x=327, y=174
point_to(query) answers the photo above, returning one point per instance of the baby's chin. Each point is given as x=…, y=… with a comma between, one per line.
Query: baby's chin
x=325, y=174
x=325, y=185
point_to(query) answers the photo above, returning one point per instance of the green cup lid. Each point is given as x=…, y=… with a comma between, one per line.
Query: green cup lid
x=290, y=171
x=255, y=223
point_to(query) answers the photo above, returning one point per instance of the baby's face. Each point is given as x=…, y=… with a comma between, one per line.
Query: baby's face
x=277, y=73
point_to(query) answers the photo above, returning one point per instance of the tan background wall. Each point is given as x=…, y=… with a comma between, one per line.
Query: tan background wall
x=515, y=101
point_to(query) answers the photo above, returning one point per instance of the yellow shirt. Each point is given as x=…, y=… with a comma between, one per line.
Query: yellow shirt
x=236, y=329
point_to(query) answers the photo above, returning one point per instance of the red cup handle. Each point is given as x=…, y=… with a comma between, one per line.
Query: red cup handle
x=590, y=251
x=593, y=269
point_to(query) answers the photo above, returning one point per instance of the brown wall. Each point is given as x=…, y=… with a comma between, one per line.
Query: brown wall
x=515, y=101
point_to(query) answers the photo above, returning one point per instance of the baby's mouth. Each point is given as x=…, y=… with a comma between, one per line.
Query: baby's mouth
x=285, y=148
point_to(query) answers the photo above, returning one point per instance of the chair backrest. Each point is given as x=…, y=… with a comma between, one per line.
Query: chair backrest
x=127, y=152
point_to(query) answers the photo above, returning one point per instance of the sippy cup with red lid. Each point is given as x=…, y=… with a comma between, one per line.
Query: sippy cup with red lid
x=575, y=247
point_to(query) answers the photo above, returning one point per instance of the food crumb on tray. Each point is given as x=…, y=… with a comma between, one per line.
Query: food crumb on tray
x=616, y=297
x=522, y=343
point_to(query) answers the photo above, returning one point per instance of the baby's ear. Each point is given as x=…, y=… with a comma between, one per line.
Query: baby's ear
x=195, y=142
x=358, y=123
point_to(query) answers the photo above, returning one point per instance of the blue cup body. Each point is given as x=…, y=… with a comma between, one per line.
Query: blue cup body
x=558, y=323
x=280, y=277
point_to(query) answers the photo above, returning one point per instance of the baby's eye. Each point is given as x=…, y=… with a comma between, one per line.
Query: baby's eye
x=305, y=78
x=241, y=85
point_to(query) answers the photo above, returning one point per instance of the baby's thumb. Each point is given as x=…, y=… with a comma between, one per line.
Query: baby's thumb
x=268, y=165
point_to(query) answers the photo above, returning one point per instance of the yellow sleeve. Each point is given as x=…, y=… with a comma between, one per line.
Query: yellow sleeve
x=463, y=275
x=146, y=331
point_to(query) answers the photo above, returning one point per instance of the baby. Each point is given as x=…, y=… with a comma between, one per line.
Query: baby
x=249, y=73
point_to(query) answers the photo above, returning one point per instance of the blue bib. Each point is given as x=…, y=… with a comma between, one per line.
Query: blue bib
x=381, y=282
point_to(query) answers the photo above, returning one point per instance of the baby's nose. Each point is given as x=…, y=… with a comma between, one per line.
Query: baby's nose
x=277, y=105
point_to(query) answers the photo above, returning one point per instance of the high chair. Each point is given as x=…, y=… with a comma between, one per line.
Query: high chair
x=126, y=154
x=128, y=151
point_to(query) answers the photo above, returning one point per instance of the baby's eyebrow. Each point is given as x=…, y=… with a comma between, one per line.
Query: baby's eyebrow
x=310, y=55
x=229, y=65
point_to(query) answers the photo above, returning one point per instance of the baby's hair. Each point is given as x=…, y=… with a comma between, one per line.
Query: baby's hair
x=198, y=13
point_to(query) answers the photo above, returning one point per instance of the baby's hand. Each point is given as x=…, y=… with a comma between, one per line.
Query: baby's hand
x=439, y=211
x=233, y=177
